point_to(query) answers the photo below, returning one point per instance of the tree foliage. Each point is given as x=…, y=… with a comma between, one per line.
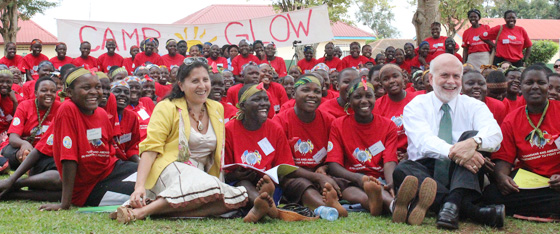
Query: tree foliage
x=542, y=51
x=526, y=9
x=377, y=15
x=426, y=13
x=454, y=14
x=12, y=10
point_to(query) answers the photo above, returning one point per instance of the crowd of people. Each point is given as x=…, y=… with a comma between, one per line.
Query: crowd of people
x=402, y=133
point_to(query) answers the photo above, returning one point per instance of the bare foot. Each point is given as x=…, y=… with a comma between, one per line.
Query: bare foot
x=373, y=188
x=260, y=208
x=265, y=185
x=330, y=197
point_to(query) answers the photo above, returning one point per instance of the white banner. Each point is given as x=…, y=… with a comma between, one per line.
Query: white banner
x=309, y=26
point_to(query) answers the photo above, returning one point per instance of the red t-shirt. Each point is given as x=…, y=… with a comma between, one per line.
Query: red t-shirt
x=497, y=108
x=331, y=107
x=178, y=59
x=392, y=110
x=350, y=61
x=279, y=66
x=45, y=144
x=162, y=90
x=220, y=61
x=143, y=112
x=542, y=158
x=332, y=64
x=472, y=41
x=25, y=119
x=6, y=113
x=358, y=147
x=106, y=61
x=30, y=62
x=142, y=58
x=372, y=60
x=111, y=109
x=129, y=137
x=437, y=46
x=129, y=65
x=404, y=66
x=278, y=93
x=229, y=111
x=306, y=66
x=458, y=56
x=233, y=93
x=57, y=63
x=18, y=90
x=85, y=139
x=264, y=148
x=512, y=105
x=414, y=62
x=308, y=141
x=90, y=61
x=288, y=105
x=238, y=62
x=29, y=89
x=15, y=61
x=511, y=43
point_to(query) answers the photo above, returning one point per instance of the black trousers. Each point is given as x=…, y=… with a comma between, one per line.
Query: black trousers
x=459, y=177
x=543, y=202
x=10, y=152
x=500, y=59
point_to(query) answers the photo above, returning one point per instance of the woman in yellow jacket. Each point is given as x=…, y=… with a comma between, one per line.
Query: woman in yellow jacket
x=180, y=168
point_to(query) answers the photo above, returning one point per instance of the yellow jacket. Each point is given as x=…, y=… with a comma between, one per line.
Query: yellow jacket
x=163, y=135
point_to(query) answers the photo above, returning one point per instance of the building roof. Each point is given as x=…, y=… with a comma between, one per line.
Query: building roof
x=380, y=45
x=537, y=29
x=224, y=13
x=29, y=30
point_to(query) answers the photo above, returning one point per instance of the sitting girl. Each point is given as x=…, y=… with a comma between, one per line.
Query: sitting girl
x=363, y=149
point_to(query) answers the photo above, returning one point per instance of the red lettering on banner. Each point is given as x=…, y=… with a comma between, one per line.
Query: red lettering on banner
x=252, y=32
x=238, y=35
x=287, y=29
x=144, y=32
x=81, y=35
x=300, y=25
x=135, y=32
x=105, y=38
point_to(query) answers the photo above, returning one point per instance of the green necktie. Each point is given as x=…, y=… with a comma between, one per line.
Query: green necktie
x=441, y=170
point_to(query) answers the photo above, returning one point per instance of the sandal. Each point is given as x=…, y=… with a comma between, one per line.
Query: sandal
x=125, y=215
x=296, y=212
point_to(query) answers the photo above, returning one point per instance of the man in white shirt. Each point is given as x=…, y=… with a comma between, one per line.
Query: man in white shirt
x=445, y=132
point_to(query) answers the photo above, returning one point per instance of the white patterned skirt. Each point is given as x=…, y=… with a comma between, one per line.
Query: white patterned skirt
x=181, y=184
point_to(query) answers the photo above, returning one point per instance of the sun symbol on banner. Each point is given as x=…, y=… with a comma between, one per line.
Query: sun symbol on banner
x=196, y=39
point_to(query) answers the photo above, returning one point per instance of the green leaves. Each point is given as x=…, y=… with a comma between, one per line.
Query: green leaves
x=542, y=51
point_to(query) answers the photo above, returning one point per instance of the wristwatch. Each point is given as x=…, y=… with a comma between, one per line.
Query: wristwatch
x=478, y=141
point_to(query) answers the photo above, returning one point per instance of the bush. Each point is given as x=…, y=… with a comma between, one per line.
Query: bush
x=542, y=51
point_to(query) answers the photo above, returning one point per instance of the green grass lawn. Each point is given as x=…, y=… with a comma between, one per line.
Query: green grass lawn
x=21, y=216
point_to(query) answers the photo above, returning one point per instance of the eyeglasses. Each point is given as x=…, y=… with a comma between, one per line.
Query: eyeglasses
x=191, y=60
x=556, y=66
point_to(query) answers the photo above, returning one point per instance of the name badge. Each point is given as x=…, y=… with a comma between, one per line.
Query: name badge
x=220, y=65
x=266, y=147
x=94, y=134
x=318, y=157
x=276, y=108
x=9, y=117
x=505, y=41
x=143, y=114
x=376, y=148
x=557, y=142
x=125, y=138
x=44, y=128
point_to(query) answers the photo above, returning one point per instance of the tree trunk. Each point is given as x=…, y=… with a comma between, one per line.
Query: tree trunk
x=426, y=13
x=9, y=18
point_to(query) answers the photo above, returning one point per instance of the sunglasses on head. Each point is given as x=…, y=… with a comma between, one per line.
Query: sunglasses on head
x=191, y=60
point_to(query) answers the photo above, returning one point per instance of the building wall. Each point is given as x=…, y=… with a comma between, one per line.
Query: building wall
x=23, y=50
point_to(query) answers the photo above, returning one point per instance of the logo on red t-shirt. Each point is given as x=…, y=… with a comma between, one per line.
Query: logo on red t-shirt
x=303, y=147
x=541, y=142
x=67, y=142
x=251, y=158
x=362, y=155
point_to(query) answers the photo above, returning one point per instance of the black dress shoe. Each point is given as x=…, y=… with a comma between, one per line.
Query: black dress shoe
x=493, y=215
x=448, y=217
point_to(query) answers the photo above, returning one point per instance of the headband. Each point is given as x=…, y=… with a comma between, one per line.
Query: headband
x=408, y=43
x=120, y=83
x=482, y=67
x=170, y=40
x=129, y=79
x=7, y=72
x=320, y=66
x=306, y=79
x=71, y=78
x=102, y=75
x=415, y=77
x=298, y=68
x=254, y=89
x=35, y=41
x=146, y=79
x=475, y=11
x=422, y=43
x=250, y=63
x=497, y=85
x=362, y=84
x=307, y=48
x=120, y=69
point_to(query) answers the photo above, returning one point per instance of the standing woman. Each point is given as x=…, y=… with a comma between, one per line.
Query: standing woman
x=60, y=59
x=172, y=57
x=329, y=59
x=149, y=54
x=475, y=51
x=31, y=120
x=90, y=174
x=513, y=44
x=181, y=159
x=308, y=62
x=85, y=59
x=128, y=63
x=30, y=62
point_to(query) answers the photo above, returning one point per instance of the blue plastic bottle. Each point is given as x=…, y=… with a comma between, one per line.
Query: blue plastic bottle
x=328, y=213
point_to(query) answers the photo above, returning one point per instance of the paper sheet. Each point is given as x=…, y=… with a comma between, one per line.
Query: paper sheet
x=529, y=180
